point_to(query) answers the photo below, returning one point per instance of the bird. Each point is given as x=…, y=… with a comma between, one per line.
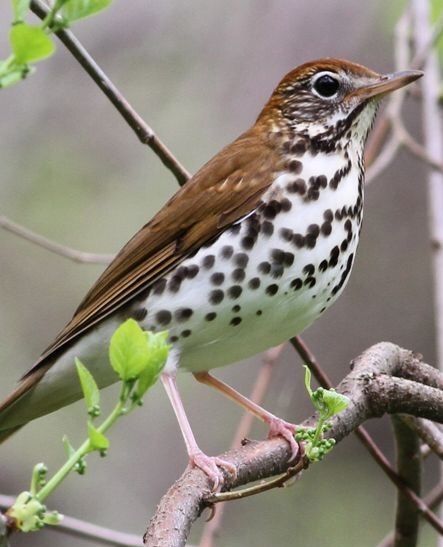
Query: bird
x=255, y=247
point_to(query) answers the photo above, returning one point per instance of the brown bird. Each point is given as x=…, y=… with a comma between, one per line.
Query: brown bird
x=256, y=246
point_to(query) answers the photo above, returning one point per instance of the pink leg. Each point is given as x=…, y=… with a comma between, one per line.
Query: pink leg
x=277, y=426
x=196, y=457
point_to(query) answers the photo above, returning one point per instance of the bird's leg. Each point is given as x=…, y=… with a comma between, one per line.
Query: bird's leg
x=197, y=458
x=277, y=426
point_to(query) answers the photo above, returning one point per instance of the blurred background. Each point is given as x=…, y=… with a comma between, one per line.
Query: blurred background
x=198, y=72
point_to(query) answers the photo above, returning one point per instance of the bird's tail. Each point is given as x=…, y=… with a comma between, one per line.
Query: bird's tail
x=6, y=433
x=10, y=408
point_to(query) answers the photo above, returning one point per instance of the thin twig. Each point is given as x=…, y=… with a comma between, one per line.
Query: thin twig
x=429, y=432
x=53, y=246
x=144, y=132
x=433, y=142
x=258, y=393
x=86, y=530
x=409, y=468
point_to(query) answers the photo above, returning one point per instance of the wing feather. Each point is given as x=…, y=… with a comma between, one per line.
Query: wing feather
x=224, y=190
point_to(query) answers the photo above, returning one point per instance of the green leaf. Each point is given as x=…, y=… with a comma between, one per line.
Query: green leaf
x=20, y=8
x=335, y=402
x=96, y=438
x=73, y=10
x=89, y=388
x=158, y=353
x=308, y=377
x=30, y=43
x=128, y=350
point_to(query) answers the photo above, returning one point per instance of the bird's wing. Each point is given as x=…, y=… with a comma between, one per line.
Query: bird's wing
x=227, y=188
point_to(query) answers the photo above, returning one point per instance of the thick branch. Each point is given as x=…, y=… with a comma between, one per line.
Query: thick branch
x=409, y=468
x=373, y=391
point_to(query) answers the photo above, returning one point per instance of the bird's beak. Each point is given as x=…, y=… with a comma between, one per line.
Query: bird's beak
x=387, y=83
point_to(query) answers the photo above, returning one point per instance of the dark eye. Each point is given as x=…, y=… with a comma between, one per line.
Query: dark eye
x=326, y=85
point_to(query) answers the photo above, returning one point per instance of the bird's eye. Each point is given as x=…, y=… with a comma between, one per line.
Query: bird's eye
x=326, y=86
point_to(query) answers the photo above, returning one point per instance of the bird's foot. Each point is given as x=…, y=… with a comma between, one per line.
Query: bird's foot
x=280, y=428
x=210, y=465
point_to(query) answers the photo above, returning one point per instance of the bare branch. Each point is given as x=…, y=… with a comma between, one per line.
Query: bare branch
x=409, y=468
x=53, y=246
x=429, y=432
x=145, y=134
x=373, y=390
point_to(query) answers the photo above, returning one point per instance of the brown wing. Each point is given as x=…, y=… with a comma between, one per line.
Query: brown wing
x=227, y=188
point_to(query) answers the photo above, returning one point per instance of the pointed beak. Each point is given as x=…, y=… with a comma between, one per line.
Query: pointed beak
x=387, y=83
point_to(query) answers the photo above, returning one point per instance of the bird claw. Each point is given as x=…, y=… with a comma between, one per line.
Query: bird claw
x=210, y=466
x=280, y=428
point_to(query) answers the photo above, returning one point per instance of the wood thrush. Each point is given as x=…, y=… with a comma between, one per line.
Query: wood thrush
x=256, y=246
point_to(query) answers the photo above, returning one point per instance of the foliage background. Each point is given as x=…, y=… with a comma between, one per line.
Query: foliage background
x=71, y=169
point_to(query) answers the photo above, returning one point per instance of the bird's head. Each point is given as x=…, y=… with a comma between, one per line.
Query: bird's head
x=327, y=98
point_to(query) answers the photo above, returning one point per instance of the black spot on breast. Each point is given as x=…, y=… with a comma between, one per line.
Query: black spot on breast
x=238, y=274
x=326, y=228
x=333, y=257
x=286, y=234
x=295, y=166
x=227, y=251
x=192, y=271
x=286, y=205
x=174, y=283
x=264, y=267
x=296, y=284
x=217, y=278
x=344, y=245
x=159, y=287
x=210, y=316
x=186, y=333
x=254, y=283
x=258, y=312
x=241, y=260
x=297, y=186
x=272, y=209
x=183, y=314
x=277, y=255
x=235, y=321
x=235, y=228
x=328, y=215
x=271, y=289
x=173, y=339
x=248, y=242
x=216, y=296
x=234, y=291
x=299, y=147
x=309, y=269
x=163, y=317
x=236, y=308
x=323, y=266
x=267, y=228
x=208, y=261
x=277, y=270
x=344, y=275
x=310, y=282
x=299, y=240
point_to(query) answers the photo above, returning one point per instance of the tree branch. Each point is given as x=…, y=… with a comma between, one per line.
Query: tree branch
x=373, y=389
x=53, y=246
x=144, y=132
x=429, y=432
x=409, y=468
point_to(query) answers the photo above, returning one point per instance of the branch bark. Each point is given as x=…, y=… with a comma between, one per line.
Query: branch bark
x=374, y=389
